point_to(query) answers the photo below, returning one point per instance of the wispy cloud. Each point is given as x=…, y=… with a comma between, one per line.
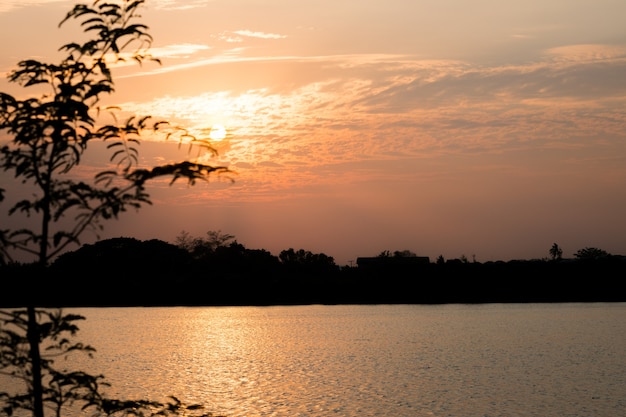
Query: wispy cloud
x=371, y=108
x=230, y=56
x=240, y=36
x=237, y=55
x=9, y=5
x=588, y=52
x=261, y=35
x=179, y=50
x=179, y=4
x=228, y=37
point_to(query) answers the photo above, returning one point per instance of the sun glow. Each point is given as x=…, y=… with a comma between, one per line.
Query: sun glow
x=218, y=132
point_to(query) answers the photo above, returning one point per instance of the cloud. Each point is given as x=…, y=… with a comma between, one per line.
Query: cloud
x=587, y=52
x=179, y=4
x=261, y=35
x=179, y=50
x=239, y=36
x=229, y=38
x=237, y=56
x=356, y=109
x=9, y=5
x=580, y=73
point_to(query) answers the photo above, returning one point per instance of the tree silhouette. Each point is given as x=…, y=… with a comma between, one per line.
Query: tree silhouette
x=202, y=247
x=591, y=253
x=556, y=253
x=49, y=137
x=51, y=134
x=72, y=391
x=404, y=254
x=306, y=261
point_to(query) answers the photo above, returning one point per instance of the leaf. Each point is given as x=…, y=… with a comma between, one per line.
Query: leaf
x=96, y=19
x=77, y=11
x=115, y=154
x=58, y=237
x=97, y=27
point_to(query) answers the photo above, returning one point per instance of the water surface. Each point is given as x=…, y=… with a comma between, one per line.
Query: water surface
x=382, y=360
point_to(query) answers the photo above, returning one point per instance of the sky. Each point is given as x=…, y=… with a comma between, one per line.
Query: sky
x=485, y=129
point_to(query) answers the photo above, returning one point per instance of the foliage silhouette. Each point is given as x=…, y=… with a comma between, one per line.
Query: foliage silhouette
x=52, y=133
x=202, y=247
x=591, y=253
x=64, y=390
x=556, y=253
x=49, y=137
x=130, y=272
x=305, y=262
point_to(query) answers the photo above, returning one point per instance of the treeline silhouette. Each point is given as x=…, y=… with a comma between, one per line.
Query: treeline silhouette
x=220, y=271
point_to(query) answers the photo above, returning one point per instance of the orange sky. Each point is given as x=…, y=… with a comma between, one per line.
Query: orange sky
x=487, y=128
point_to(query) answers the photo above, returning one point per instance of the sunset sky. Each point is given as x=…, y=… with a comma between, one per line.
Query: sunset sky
x=490, y=129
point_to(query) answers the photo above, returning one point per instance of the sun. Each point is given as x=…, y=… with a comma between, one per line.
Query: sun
x=218, y=132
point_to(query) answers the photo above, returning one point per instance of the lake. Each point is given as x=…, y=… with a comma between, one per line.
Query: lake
x=368, y=360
